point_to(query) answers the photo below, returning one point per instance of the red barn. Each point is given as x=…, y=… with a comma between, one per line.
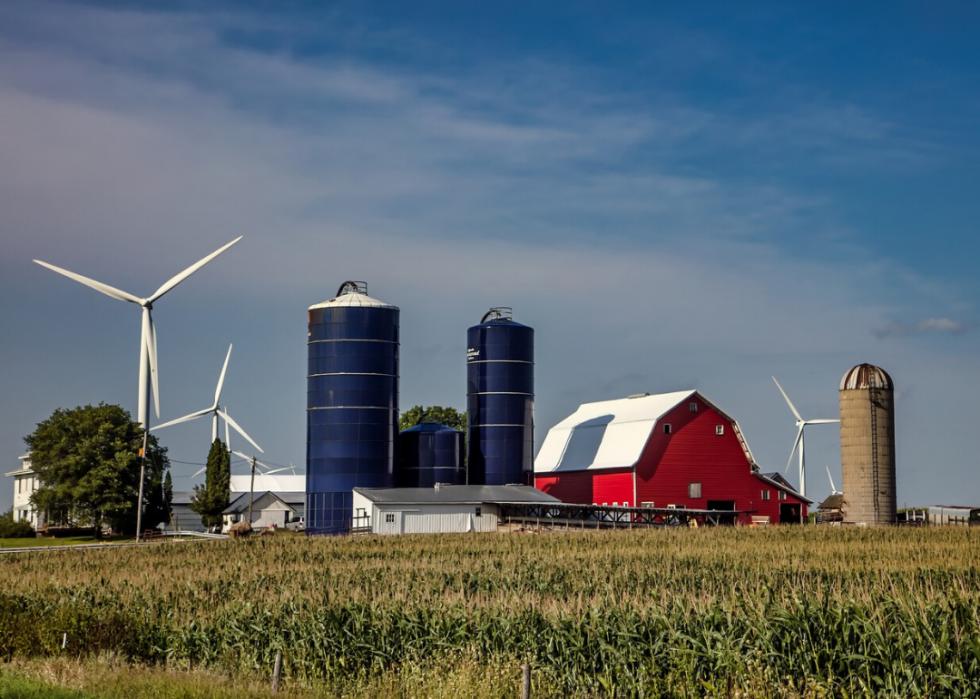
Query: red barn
x=669, y=449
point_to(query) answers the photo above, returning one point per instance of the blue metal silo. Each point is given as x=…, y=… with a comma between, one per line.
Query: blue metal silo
x=430, y=453
x=500, y=400
x=352, y=403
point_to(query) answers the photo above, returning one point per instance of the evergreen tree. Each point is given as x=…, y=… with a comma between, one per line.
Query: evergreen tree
x=212, y=498
x=168, y=491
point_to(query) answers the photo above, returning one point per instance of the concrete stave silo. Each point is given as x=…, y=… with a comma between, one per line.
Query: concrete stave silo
x=430, y=453
x=500, y=400
x=867, y=429
x=352, y=403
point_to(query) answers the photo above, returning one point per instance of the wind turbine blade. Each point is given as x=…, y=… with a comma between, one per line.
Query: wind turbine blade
x=98, y=286
x=821, y=422
x=199, y=471
x=244, y=456
x=788, y=401
x=238, y=429
x=227, y=437
x=186, y=418
x=796, y=443
x=174, y=281
x=833, y=488
x=221, y=379
x=150, y=334
x=277, y=470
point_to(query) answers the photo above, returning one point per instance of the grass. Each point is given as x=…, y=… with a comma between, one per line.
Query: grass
x=794, y=612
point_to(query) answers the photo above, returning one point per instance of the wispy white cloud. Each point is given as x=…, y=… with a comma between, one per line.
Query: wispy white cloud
x=943, y=326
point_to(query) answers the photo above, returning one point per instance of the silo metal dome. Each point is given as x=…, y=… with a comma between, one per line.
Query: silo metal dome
x=499, y=400
x=867, y=437
x=864, y=376
x=352, y=403
x=430, y=453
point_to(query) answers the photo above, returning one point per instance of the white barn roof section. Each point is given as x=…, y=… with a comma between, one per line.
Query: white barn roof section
x=613, y=433
x=277, y=482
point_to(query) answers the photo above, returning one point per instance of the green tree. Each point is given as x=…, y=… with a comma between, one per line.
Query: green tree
x=212, y=498
x=449, y=417
x=9, y=529
x=88, y=464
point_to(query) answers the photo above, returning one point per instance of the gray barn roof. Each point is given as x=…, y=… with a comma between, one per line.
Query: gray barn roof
x=460, y=494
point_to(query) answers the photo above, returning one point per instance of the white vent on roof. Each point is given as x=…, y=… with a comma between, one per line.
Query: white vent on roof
x=638, y=395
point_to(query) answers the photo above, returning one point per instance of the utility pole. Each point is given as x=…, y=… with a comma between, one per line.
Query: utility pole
x=251, y=493
x=139, y=503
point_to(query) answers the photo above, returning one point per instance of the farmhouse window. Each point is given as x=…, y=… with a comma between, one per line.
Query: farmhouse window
x=719, y=430
x=389, y=518
x=782, y=495
x=666, y=428
x=694, y=490
x=765, y=494
x=694, y=407
x=479, y=512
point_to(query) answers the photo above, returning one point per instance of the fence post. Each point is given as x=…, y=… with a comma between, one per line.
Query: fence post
x=526, y=683
x=276, y=671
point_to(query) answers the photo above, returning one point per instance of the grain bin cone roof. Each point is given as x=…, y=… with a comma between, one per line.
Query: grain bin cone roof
x=860, y=378
x=353, y=294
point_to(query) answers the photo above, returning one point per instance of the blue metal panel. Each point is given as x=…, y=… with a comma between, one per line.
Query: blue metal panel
x=352, y=407
x=430, y=453
x=500, y=401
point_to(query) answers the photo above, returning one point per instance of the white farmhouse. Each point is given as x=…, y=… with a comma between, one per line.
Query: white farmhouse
x=25, y=483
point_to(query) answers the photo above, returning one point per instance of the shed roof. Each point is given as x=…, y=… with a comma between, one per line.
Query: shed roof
x=456, y=494
x=780, y=483
x=239, y=504
x=613, y=433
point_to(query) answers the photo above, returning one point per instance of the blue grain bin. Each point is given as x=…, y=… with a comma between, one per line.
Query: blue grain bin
x=430, y=453
x=500, y=400
x=352, y=404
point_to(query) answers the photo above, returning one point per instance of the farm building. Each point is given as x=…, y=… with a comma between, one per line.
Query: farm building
x=443, y=509
x=269, y=508
x=953, y=515
x=667, y=450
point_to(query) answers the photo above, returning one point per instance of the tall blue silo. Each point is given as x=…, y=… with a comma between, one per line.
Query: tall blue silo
x=352, y=404
x=500, y=400
x=430, y=453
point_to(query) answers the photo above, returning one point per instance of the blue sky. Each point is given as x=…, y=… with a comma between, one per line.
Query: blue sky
x=674, y=197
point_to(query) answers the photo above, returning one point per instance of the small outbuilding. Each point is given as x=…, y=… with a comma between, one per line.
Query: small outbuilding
x=443, y=509
x=269, y=508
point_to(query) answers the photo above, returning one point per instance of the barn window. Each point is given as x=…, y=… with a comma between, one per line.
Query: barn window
x=666, y=428
x=389, y=518
x=694, y=490
x=479, y=512
x=765, y=494
x=719, y=430
x=694, y=407
x=782, y=495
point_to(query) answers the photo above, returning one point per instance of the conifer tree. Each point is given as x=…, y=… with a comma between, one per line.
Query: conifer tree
x=212, y=498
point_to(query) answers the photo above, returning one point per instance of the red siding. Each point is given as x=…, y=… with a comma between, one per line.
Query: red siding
x=587, y=487
x=692, y=453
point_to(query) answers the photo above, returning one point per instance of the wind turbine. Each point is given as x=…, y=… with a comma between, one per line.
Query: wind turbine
x=148, y=336
x=833, y=488
x=798, y=442
x=216, y=411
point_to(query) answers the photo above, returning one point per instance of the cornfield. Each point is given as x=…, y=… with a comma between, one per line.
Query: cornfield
x=721, y=612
